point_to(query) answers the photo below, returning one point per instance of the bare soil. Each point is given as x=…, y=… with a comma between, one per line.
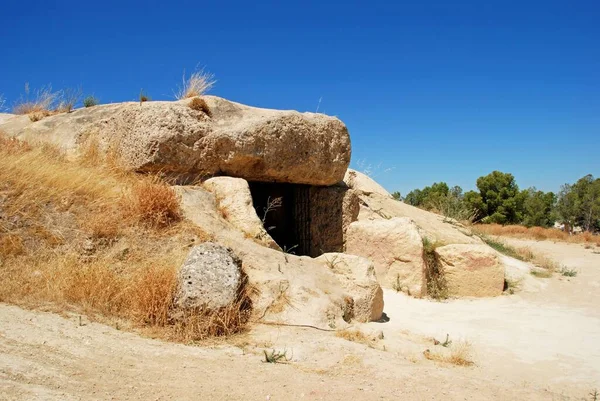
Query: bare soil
x=538, y=344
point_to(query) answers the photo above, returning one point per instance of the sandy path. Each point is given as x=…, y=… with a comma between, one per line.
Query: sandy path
x=527, y=348
x=549, y=338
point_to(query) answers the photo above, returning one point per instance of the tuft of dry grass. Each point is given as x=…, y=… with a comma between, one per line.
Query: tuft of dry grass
x=537, y=233
x=202, y=324
x=46, y=102
x=68, y=243
x=199, y=104
x=68, y=99
x=437, y=287
x=458, y=354
x=153, y=202
x=197, y=84
x=143, y=97
x=356, y=336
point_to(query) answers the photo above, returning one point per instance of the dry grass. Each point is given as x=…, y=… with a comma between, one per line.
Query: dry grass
x=459, y=354
x=69, y=98
x=537, y=233
x=437, y=287
x=202, y=324
x=78, y=236
x=143, y=97
x=45, y=102
x=356, y=336
x=152, y=202
x=199, y=104
x=197, y=84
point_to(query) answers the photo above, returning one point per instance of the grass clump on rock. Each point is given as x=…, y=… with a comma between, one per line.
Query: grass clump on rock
x=199, y=104
x=197, y=84
x=437, y=288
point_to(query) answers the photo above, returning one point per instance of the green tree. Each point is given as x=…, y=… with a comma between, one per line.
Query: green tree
x=500, y=200
x=567, y=207
x=579, y=204
x=427, y=196
x=396, y=195
x=414, y=197
x=538, y=208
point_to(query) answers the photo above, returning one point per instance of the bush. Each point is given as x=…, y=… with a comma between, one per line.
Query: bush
x=90, y=101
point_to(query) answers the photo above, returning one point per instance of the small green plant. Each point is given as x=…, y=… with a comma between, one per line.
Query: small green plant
x=437, y=287
x=503, y=248
x=568, y=272
x=276, y=356
x=594, y=395
x=541, y=273
x=90, y=101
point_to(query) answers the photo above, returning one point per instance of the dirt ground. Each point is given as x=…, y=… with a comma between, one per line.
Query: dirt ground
x=541, y=343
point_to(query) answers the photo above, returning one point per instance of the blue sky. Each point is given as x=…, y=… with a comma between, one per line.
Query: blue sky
x=433, y=90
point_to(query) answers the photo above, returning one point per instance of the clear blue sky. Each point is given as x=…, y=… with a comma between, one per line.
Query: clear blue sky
x=436, y=90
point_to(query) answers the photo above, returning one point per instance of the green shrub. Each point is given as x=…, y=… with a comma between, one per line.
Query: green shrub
x=90, y=101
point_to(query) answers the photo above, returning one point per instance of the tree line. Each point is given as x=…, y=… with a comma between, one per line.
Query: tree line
x=498, y=199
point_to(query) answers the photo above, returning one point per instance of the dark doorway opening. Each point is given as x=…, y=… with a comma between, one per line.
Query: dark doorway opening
x=285, y=212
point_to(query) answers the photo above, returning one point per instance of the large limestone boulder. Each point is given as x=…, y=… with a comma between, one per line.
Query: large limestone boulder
x=210, y=277
x=364, y=184
x=396, y=249
x=234, y=200
x=172, y=138
x=358, y=278
x=471, y=270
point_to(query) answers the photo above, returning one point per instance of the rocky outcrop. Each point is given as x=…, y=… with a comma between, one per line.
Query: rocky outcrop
x=396, y=249
x=471, y=270
x=364, y=184
x=357, y=276
x=172, y=138
x=210, y=277
x=234, y=201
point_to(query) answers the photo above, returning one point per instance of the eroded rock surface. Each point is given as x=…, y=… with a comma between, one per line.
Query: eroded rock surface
x=357, y=276
x=471, y=270
x=396, y=249
x=210, y=278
